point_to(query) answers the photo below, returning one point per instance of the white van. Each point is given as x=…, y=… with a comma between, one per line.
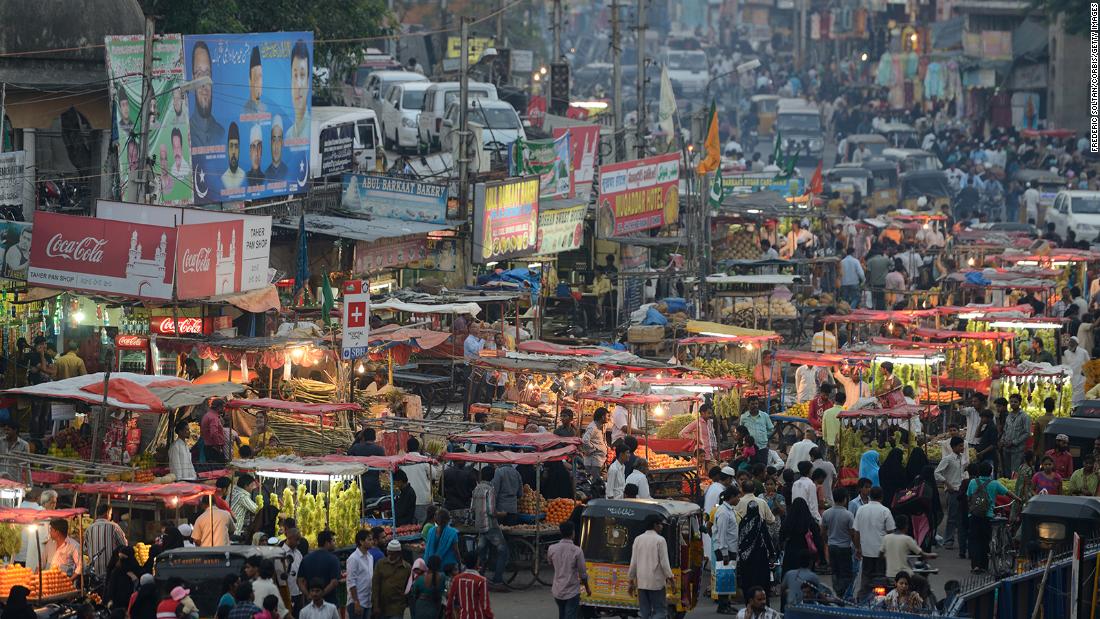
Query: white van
x=436, y=100
x=368, y=139
x=1076, y=210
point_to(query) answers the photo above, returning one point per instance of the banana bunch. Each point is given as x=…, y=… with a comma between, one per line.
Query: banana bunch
x=435, y=447
x=10, y=539
x=141, y=553
x=721, y=368
x=728, y=405
x=306, y=390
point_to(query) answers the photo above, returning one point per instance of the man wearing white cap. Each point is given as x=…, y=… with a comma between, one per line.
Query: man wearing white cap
x=1063, y=459
x=186, y=530
x=1075, y=357
x=277, y=170
x=256, y=156
x=390, y=577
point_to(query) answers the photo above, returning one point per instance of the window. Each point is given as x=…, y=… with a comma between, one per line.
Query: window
x=494, y=117
x=412, y=100
x=800, y=123
x=1085, y=205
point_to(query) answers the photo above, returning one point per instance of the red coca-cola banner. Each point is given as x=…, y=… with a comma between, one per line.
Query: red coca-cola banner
x=96, y=255
x=166, y=325
x=208, y=259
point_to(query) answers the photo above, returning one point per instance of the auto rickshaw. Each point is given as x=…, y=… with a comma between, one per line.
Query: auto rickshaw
x=883, y=193
x=848, y=180
x=608, y=529
x=1049, y=521
x=875, y=143
x=900, y=134
x=912, y=159
x=203, y=568
x=765, y=108
x=932, y=184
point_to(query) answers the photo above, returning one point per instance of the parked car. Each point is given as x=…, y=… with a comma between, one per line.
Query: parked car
x=397, y=113
x=688, y=70
x=379, y=82
x=355, y=81
x=1078, y=211
x=367, y=142
x=436, y=101
x=499, y=121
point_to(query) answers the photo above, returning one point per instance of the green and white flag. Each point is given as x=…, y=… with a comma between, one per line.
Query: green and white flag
x=714, y=196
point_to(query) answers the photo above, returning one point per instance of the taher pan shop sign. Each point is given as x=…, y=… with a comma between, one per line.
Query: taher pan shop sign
x=506, y=219
x=638, y=195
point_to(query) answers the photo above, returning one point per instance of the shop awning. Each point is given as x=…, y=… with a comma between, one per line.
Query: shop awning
x=636, y=399
x=302, y=408
x=944, y=334
x=369, y=230
x=293, y=467
x=392, y=335
x=873, y=316
x=757, y=280
x=134, y=392
x=514, y=457
x=820, y=359
x=688, y=381
x=540, y=347
x=898, y=412
x=26, y=515
x=910, y=344
x=539, y=441
x=380, y=463
x=738, y=334
x=977, y=311
x=173, y=493
x=395, y=305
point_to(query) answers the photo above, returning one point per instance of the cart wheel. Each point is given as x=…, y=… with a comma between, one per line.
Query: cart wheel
x=519, y=573
x=431, y=402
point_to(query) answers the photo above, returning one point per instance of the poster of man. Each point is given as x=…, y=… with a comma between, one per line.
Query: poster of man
x=15, y=237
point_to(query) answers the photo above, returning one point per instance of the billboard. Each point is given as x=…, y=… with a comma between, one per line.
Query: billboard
x=99, y=255
x=15, y=242
x=255, y=245
x=11, y=178
x=751, y=182
x=506, y=219
x=561, y=229
x=250, y=123
x=584, y=142
x=208, y=259
x=168, y=117
x=337, y=149
x=388, y=254
x=398, y=198
x=549, y=159
x=638, y=195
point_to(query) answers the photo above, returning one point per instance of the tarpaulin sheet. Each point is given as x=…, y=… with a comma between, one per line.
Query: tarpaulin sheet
x=26, y=515
x=950, y=310
x=299, y=466
x=383, y=463
x=911, y=345
x=1059, y=254
x=294, y=407
x=863, y=315
x=549, y=348
x=698, y=327
x=636, y=399
x=423, y=339
x=421, y=308
x=514, y=457
x=818, y=359
x=184, y=492
x=718, y=339
x=945, y=334
x=134, y=392
x=687, y=381
x=540, y=441
x=898, y=412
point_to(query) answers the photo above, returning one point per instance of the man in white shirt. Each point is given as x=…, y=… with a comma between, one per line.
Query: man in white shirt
x=949, y=472
x=805, y=489
x=318, y=608
x=1031, y=202
x=620, y=422
x=638, y=478
x=873, y=522
x=179, y=454
x=800, y=451
x=616, y=474
x=851, y=278
x=421, y=477
x=360, y=575
x=805, y=383
x=67, y=557
x=725, y=535
x=897, y=546
x=912, y=261
x=721, y=478
x=650, y=571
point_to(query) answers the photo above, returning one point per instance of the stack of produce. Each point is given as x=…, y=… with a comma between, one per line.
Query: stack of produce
x=939, y=397
x=662, y=461
x=975, y=371
x=306, y=390
x=10, y=541
x=560, y=510
x=54, y=582
x=721, y=368
x=728, y=404
x=672, y=427
x=531, y=502
x=741, y=245
x=69, y=443
x=915, y=376
x=798, y=410
x=13, y=575
x=1033, y=394
x=141, y=552
x=344, y=506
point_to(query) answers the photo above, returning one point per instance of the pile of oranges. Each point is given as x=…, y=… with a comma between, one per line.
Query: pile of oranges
x=559, y=510
x=54, y=581
x=14, y=575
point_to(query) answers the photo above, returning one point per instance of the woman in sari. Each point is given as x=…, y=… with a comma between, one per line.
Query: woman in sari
x=755, y=551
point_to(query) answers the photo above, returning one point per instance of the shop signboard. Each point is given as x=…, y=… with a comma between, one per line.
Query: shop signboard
x=11, y=178
x=208, y=259
x=384, y=196
x=506, y=219
x=99, y=255
x=440, y=255
x=337, y=149
x=15, y=242
x=388, y=254
x=561, y=229
x=167, y=115
x=751, y=182
x=584, y=142
x=638, y=195
x=166, y=325
x=356, y=324
x=250, y=123
x=548, y=159
x=255, y=236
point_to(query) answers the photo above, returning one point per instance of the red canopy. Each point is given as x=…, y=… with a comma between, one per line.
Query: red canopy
x=945, y=334
x=514, y=457
x=864, y=315
x=1019, y=371
x=423, y=339
x=183, y=491
x=911, y=345
x=384, y=463
x=727, y=339
x=947, y=310
x=548, y=348
x=26, y=515
x=541, y=441
x=819, y=359
x=668, y=445
x=294, y=407
x=635, y=399
x=676, y=381
x=898, y=412
x=1060, y=254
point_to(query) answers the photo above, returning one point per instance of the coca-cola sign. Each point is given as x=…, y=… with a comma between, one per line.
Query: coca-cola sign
x=97, y=255
x=167, y=325
x=195, y=261
x=130, y=341
x=209, y=259
x=87, y=249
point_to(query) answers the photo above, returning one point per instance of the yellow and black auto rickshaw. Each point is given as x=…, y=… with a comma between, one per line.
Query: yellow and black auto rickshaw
x=765, y=108
x=884, y=185
x=930, y=184
x=608, y=529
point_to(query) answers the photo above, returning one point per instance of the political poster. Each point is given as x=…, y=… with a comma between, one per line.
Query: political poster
x=561, y=229
x=549, y=159
x=638, y=195
x=11, y=178
x=15, y=242
x=249, y=114
x=398, y=198
x=388, y=253
x=506, y=219
x=167, y=115
x=337, y=149
x=584, y=142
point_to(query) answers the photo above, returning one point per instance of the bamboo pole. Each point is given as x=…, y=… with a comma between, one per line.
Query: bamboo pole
x=1037, y=611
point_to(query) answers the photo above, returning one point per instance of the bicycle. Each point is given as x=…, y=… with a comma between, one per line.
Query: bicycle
x=1002, y=553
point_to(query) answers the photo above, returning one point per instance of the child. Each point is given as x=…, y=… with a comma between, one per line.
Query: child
x=271, y=609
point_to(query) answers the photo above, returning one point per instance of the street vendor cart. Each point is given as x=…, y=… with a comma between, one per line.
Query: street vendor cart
x=46, y=585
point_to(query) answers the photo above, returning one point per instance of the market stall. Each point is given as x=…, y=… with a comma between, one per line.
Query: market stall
x=846, y=368
x=970, y=364
x=1036, y=382
x=862, y=324
x=48, y=585
x=1073, y=263
x=876, y=429
x=297, y=427
x=1003, y=286
x=719, y=350
x=148, y=498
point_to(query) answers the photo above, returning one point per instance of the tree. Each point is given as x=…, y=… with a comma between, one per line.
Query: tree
x=1075, y=13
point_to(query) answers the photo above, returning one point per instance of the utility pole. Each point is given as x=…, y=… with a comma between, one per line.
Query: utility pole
x=3, y=114
x=616, y=83
x=642, y=123
x=500, y=24
x=803, y=34
x=146, y=99
x=556, y=55
x=463, y=128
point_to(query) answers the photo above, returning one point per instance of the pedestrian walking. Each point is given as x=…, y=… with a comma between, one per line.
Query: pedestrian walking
x=873, y=521
x=837, y=528
x=468, y=593
x=949, y=472
x=650, y=571
x=427, y=591
x=569, y=573
x=360, y=576
x=488, y=528
x=755, y=552
x=391, y=575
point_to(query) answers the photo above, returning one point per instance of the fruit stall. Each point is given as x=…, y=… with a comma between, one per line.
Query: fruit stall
x=863, y=324
x=724, y=350
x=874, y=429
x=1003, y=286
x=46, y=586
x=528, y=540
x=646, y=411
x=933, y=391
x=147, y=498
x=1074, y=263
x=969, y=366
x=302, y=428
x=1045, y=328
x=752, y=301
x=725, y=393
x=1035, y=383
x=535, y=386
x=976, y=248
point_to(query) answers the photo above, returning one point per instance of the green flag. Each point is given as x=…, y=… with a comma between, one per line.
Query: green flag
x=328, y=303
x=777, y=156
x=714, y=197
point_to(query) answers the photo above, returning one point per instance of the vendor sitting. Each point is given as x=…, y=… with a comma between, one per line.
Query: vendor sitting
x=404, y=504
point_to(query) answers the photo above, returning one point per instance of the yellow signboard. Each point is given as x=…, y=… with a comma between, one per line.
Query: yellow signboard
x=475, y=47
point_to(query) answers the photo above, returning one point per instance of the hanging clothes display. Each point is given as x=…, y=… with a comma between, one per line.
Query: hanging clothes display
x=935, y=81
x=897, y=88
x=884, y=76
x=911, y=65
